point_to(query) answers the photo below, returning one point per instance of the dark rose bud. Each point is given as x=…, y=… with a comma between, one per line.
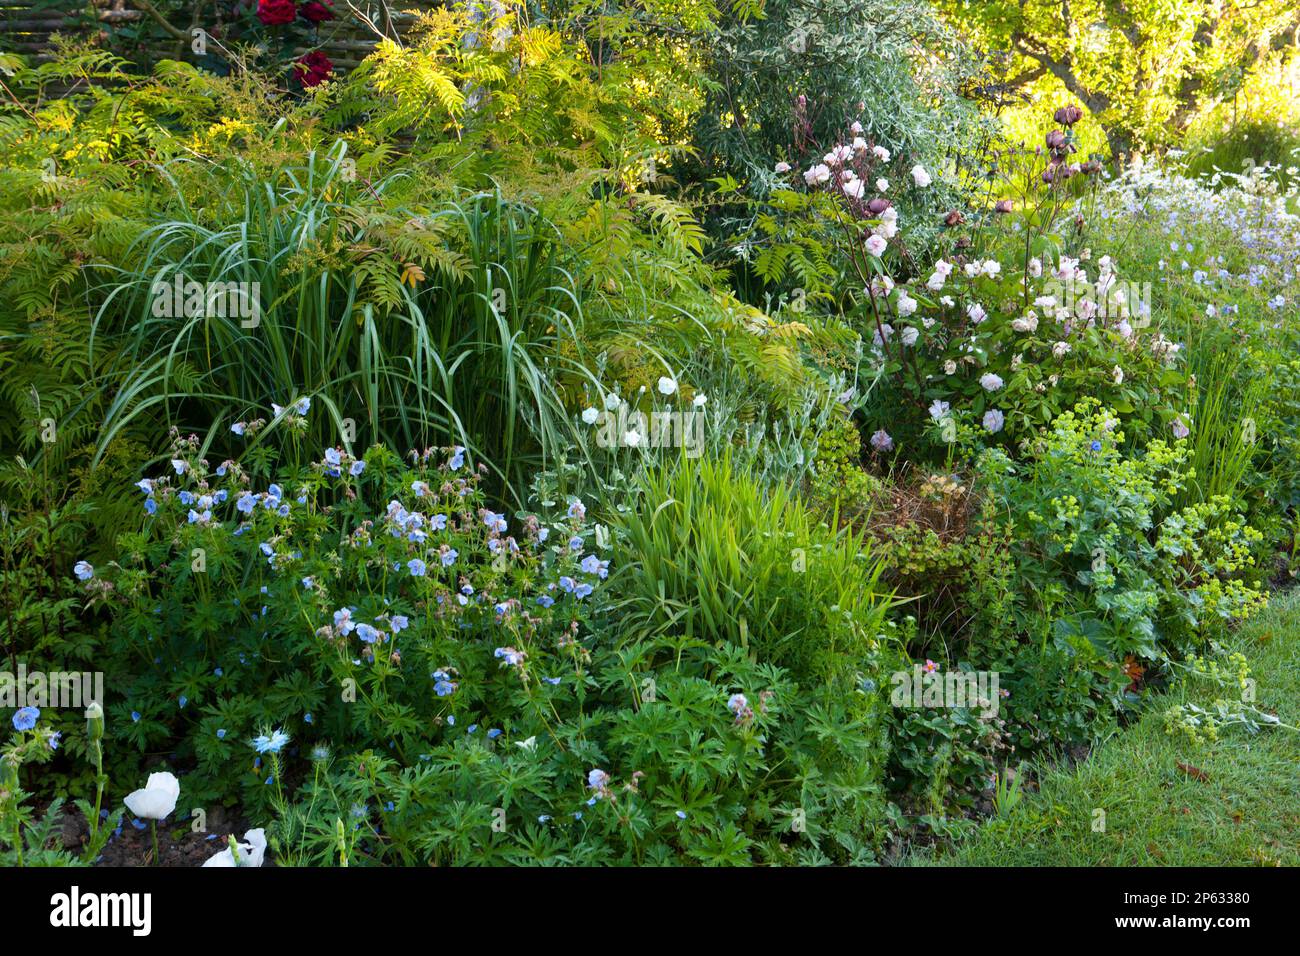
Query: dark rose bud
x=1047, y=175
x=954, y=218
x=963, y=242
x=1091, y=167
x=877, y=204
x=1002, y=207
x=1055, y=139
x=1068, y=115
x=1078, y=223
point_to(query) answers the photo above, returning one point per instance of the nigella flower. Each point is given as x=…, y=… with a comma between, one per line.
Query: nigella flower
x=25, y=718
x=418, y=567
x=272, y=743
x=881, y=441
x=1095, y=445
x=84, y=570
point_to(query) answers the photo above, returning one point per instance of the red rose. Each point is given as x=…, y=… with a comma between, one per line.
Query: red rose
x=315, y=12
x=314, y=68
x=276, y=12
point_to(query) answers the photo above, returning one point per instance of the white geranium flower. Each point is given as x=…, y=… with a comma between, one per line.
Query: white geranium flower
x=157, y=799
x=250, y=853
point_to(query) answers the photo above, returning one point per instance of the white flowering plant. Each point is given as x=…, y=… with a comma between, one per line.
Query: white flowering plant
x=1005, y=330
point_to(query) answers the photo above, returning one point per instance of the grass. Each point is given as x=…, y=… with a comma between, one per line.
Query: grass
x=1244, y=812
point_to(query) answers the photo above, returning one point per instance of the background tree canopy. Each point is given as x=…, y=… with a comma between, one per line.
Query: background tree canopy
x=1141, y=67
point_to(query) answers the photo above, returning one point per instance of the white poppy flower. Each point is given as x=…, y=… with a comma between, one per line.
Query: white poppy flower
x=251, y=852
x=157, y=799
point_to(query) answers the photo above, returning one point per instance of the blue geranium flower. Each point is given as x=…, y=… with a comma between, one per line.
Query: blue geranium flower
x=25, y=718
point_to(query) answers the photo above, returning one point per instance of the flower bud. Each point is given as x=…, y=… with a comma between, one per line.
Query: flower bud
x=1068, y=115
x=95, y=721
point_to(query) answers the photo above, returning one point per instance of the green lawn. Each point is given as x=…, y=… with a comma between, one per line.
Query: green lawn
x=1245, y=813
